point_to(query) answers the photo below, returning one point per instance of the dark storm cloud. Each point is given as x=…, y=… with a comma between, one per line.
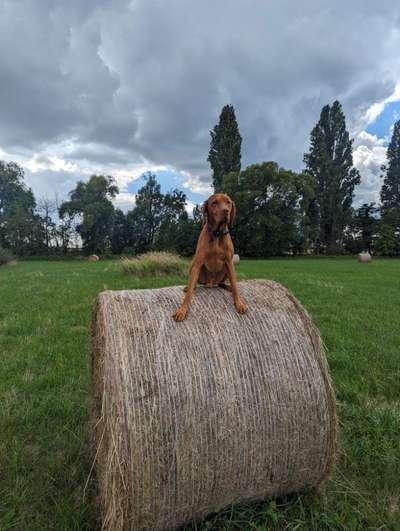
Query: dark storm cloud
x=54, y=83
x=125, y=82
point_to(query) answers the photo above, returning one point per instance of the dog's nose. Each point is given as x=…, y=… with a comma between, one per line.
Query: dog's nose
x=225, y=210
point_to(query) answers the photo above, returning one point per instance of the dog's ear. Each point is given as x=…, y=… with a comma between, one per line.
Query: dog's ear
x=233, y=213
x=205, y=212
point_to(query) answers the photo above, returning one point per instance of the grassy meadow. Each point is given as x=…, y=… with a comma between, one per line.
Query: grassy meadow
x=45, y=312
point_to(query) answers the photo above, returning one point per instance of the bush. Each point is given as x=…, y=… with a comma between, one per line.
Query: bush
x=155, y=263
x=5, y=256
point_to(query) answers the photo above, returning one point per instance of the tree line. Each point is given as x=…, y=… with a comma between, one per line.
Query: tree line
x=89, y=220
x=279, y=211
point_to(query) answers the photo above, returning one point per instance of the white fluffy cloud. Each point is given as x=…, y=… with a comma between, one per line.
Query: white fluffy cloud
x=124, y=86
x=368, y=156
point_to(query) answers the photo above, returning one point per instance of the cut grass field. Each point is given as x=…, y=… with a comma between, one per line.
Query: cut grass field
x=45, y=311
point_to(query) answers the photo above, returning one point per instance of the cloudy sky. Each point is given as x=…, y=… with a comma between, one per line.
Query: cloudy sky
x=123, y=87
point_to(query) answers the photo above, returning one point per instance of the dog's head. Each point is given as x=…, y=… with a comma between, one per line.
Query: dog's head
x=219, y=209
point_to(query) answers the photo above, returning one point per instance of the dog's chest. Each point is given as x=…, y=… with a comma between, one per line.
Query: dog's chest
x=215, y=258
x=214, y=263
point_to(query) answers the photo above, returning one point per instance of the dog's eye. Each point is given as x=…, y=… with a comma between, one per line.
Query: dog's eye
x=214, y=203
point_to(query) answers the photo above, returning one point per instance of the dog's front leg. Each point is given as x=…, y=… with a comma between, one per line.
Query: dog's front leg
x=180, y=314
x=240, y=307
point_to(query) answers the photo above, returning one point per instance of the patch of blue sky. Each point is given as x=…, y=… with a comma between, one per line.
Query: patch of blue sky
x=381, y=126
x=168, y=180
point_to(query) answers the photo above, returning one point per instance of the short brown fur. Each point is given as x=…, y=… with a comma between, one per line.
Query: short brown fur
x=212, y=263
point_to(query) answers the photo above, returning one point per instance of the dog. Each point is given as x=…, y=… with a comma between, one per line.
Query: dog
x=213, y=260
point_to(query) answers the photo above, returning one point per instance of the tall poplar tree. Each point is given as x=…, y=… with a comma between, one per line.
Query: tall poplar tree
x=389, y=240
x=330, y=162
x=225, y=147
x=390, y=192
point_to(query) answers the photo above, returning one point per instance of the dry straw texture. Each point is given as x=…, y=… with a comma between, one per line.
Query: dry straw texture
x=155, y=263
x=190, y=417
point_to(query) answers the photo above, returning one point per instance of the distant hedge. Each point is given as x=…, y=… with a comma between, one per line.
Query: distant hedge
x=5, y=256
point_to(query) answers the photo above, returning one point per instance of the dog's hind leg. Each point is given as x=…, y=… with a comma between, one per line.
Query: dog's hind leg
x=225, y=286
x=221, y=283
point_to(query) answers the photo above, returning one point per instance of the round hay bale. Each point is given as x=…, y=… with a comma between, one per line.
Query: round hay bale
x=93, y=258
x=364, y=257
x=190, y=417
x=236, y=259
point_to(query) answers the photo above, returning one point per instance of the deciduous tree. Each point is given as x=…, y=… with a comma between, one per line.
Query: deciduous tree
x=17, y=210
x=271, y=207
x=90, y=202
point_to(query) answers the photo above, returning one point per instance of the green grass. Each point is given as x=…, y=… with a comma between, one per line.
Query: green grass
x=45, y=313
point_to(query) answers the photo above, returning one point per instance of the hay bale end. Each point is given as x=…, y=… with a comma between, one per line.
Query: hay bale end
x=364, y=257
x=190, y=417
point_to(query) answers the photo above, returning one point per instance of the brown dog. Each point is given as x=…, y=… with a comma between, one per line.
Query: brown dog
x=212, y=262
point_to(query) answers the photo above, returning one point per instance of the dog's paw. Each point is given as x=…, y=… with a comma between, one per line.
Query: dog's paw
x=240, y=307
x=180, y=314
